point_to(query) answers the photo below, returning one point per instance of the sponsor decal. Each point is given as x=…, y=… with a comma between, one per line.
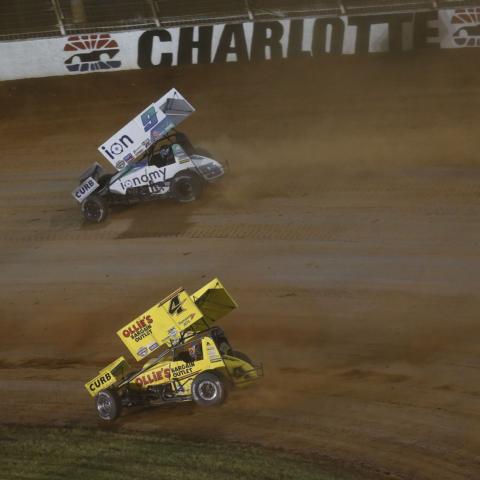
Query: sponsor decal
x=91, y=52
x=155, y=176
x=142, y=351
x=183, y=369
x=117, y=148
x=98, y=382
x=186, y=321
x=139, y=330
x=138, y=150
x=85, y=189
x=466, y=24
x=180, y=154
x=160, y=187
x=213, y=353
x=179, y=387
x=153, y=377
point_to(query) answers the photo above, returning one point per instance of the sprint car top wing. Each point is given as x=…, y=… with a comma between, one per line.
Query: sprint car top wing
x=160, y=325
x=214, y=301
x=164, y=323
x=148, y=127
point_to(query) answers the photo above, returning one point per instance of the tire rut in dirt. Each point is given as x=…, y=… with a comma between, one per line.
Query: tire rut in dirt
x=236, y=231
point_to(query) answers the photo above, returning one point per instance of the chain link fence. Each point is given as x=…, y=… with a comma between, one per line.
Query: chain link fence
x=47, y=18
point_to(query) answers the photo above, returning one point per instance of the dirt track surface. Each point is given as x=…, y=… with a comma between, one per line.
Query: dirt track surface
x=347, y=230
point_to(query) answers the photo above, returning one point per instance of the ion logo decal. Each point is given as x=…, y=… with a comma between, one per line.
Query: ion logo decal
x=91, y=52
x=467, y=24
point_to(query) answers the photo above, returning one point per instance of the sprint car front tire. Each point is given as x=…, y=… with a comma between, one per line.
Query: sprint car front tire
x=95, y=208
x=109, y=405
x=186, y=188
x=209, y=390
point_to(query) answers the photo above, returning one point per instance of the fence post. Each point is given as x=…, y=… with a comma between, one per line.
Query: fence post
x=247, y=6
x=59, y=15
x=78, y=11
x=154, y=10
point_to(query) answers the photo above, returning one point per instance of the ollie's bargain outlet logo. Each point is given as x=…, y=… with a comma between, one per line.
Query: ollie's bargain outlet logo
x=91, y=52
x=467, y=24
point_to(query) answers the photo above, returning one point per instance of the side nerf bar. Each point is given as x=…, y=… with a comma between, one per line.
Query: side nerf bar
x=248, y=376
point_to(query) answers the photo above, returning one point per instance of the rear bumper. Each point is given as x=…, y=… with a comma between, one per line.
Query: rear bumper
x=213, y=178
x=211, y=171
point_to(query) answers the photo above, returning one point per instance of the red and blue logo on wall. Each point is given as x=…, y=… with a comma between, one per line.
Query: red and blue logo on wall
x=467, y=22
x=91, y=52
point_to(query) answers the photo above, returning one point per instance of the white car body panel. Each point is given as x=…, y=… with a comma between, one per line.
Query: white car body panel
x=85, y=189
x=142, y=161
x=142, y=175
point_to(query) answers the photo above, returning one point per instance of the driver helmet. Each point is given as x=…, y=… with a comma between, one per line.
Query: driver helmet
x=192, y=351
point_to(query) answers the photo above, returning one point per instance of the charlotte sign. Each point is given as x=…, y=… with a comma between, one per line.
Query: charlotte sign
x=242, y=42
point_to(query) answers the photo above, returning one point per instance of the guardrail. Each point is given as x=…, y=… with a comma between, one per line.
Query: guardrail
x=52, y=18
x=247, y=41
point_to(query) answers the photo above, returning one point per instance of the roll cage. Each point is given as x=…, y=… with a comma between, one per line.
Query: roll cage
x=237, y=375
x=156, y=148
x=215, y=333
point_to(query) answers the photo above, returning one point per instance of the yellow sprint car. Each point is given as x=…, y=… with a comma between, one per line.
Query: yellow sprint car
x=193, y=358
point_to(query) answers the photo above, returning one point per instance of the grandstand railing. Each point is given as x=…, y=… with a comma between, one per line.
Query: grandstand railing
x=53, y=18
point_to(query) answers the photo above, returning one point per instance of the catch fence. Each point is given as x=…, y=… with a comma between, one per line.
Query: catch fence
x=53, y=18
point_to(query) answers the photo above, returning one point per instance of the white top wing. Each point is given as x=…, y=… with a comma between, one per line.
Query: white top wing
x=151, y=125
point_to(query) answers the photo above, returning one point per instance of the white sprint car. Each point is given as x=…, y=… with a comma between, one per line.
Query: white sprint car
x=152, y=159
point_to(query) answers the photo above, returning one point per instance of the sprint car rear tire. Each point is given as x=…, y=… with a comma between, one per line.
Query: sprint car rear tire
x=109, y=405
x=209, y=390
x=186, y=188
x=242, y=356
x=95, y=208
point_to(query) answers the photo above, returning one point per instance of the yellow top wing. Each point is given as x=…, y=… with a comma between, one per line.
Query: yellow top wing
x=164, y=323
x=214, y=301
x=161, y=325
